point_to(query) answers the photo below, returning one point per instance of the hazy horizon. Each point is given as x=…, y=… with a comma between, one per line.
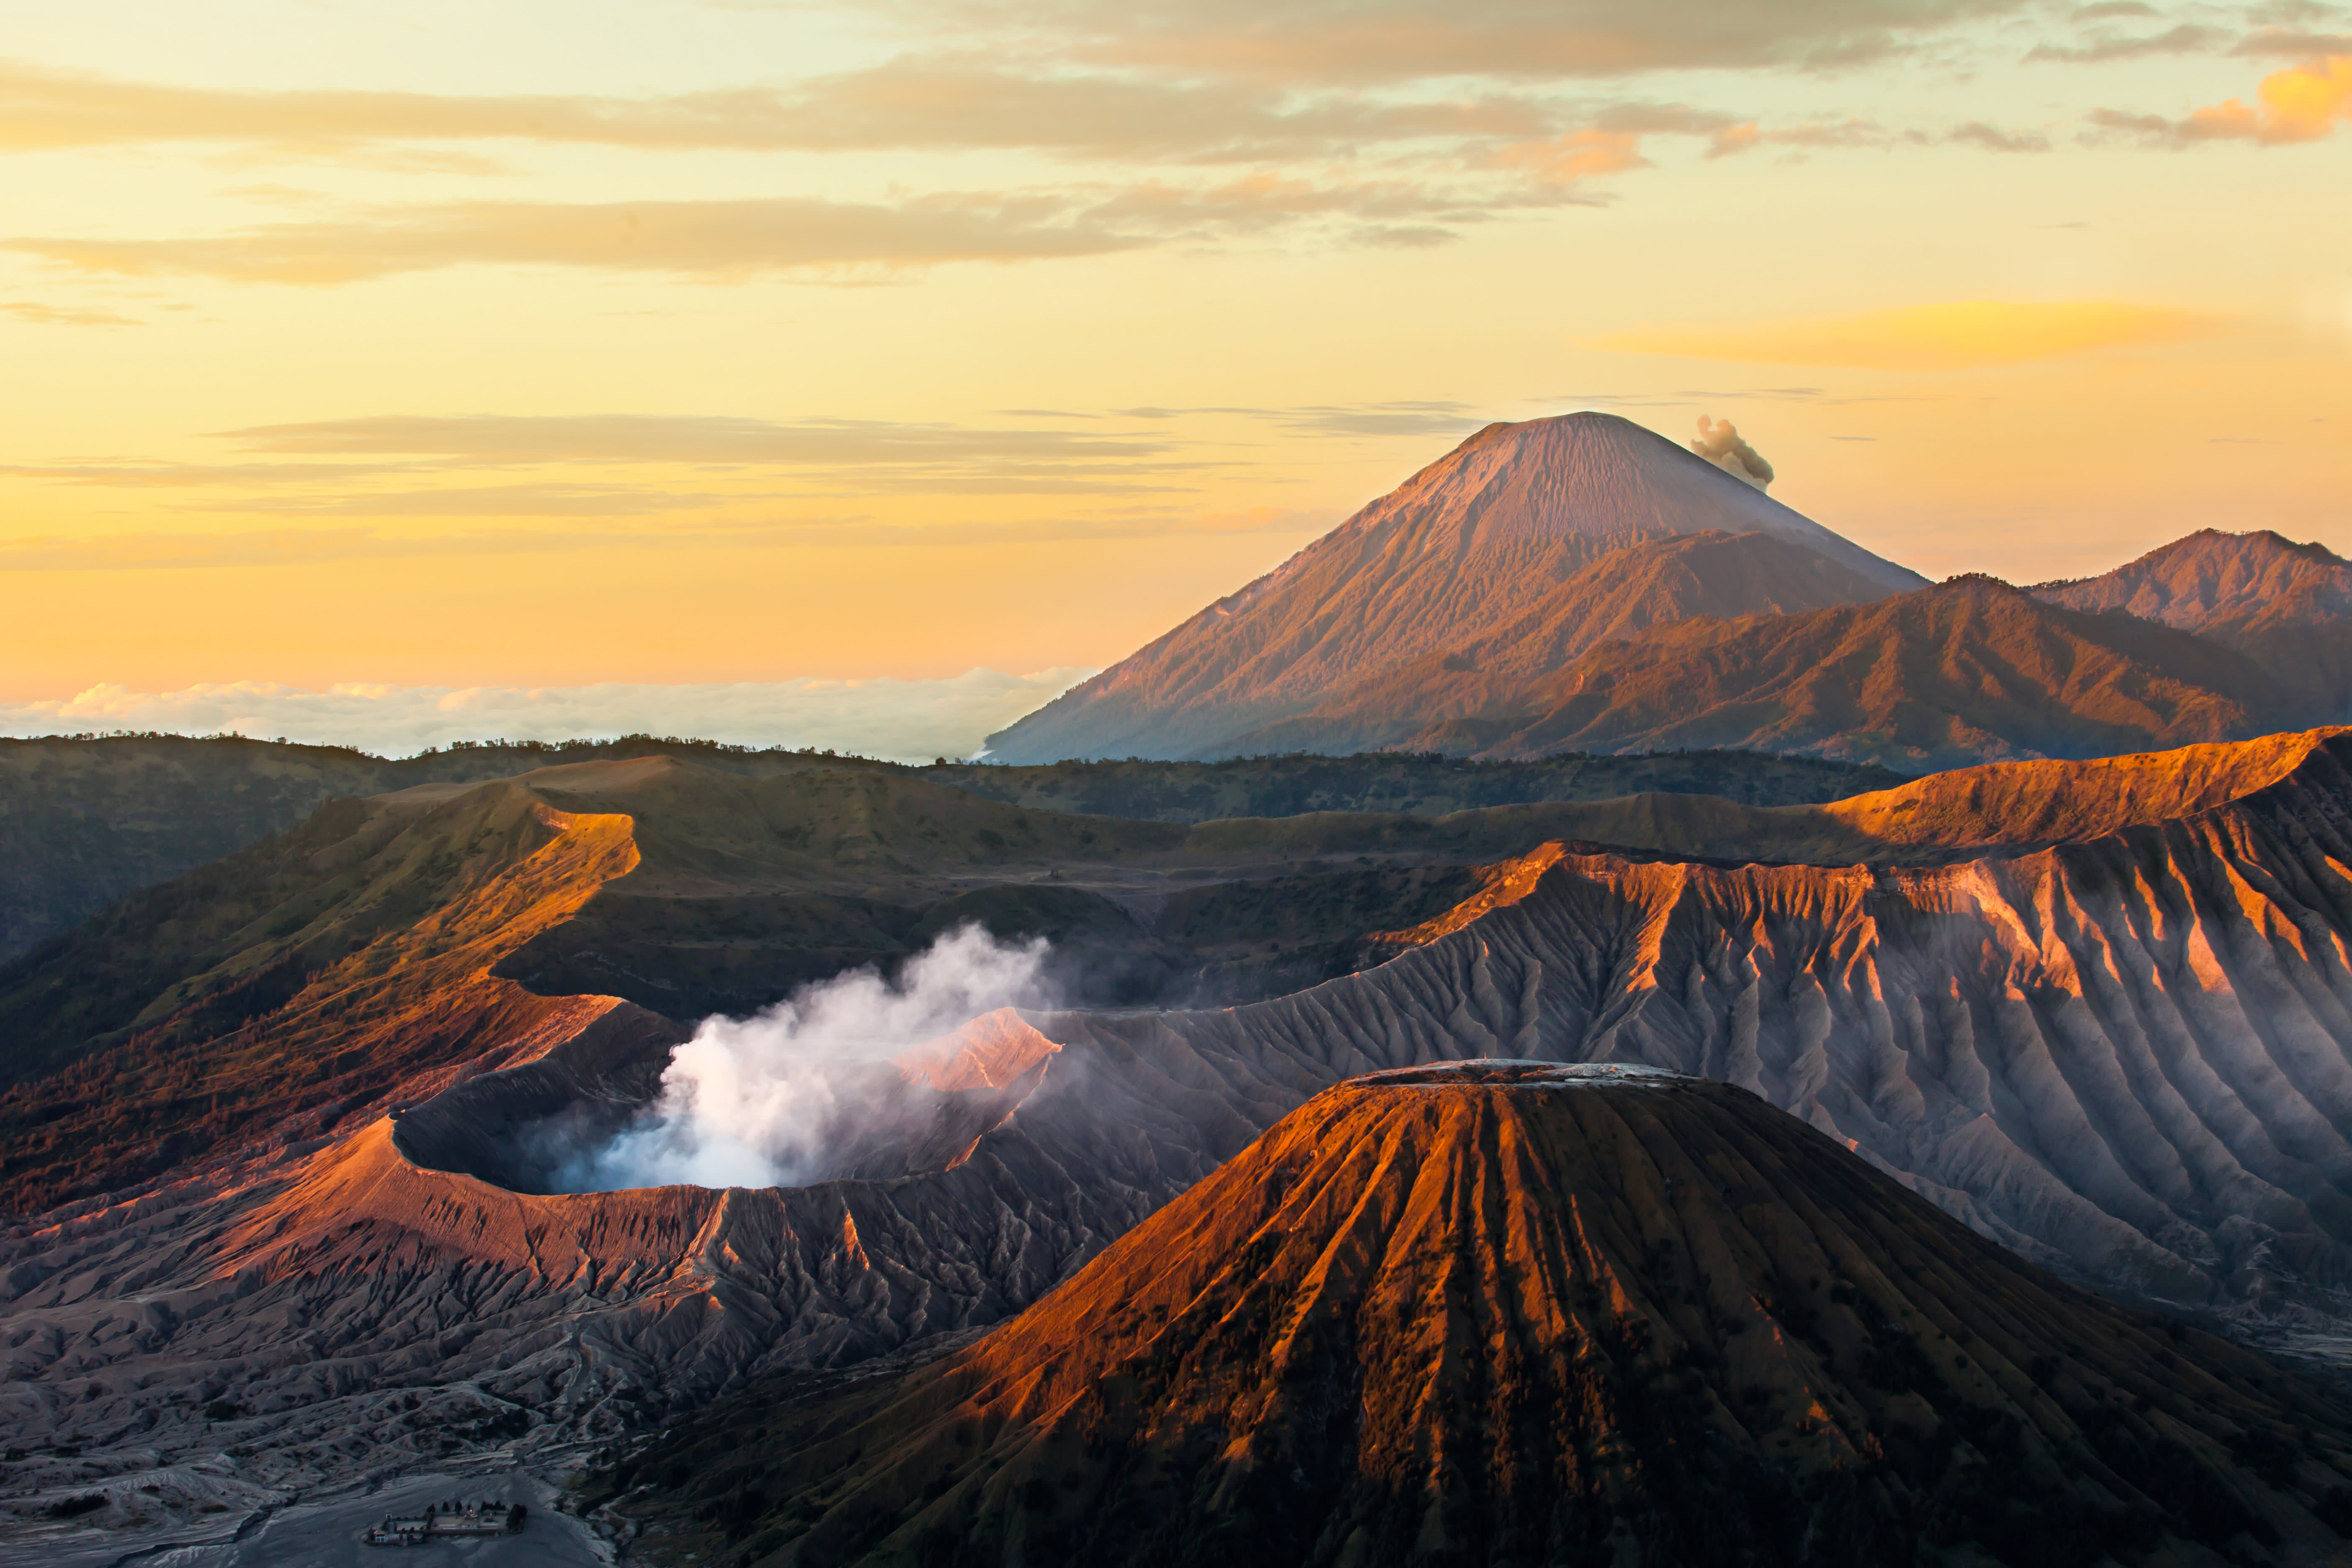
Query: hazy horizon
x=686, y=343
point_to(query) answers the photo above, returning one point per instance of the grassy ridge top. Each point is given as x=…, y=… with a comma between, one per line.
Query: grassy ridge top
x=86, y=820
x=1416, y=784
x=311, y=976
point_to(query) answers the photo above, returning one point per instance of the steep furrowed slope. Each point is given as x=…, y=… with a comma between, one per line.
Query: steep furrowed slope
x=2124, y=1055
x=1457, y=554
x=1505, y=1313
x=351, y=966
x=1972, y=670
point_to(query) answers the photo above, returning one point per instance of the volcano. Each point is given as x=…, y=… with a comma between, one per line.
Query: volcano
x=2285, y=606
x=1474, y=545
x=1970, y=670
x=1519, y=1313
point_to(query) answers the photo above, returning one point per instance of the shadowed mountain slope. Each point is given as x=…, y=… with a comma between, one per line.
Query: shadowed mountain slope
x=2123, y=1054
x=2286, y=606
x=267, y=997
x=87, y=821
x=1471, y=545
x=1972, y=671
x=2212, y=581
x=1421, y=784
x=354, y=963
x=1715, y=576
x=1507, y=1313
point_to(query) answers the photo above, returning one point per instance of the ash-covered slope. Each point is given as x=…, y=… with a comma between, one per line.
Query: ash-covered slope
x=2216, y=582
x=1499, y=1312
x=1461, y=551
x=86, y=820
x=1505, y=676
x=2101, y=1012
x=1970, y=670
x=2286, y=606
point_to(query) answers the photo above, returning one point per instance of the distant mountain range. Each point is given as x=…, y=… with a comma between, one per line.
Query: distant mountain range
x=1583, y=583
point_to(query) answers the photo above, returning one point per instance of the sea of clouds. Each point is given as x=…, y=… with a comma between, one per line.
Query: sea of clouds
x=766, y=1102
x=903, y=721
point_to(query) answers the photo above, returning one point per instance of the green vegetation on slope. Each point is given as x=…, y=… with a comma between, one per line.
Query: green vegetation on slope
x=1420, y=784
x=268, y=995
x=259, y=996
x=86, y=820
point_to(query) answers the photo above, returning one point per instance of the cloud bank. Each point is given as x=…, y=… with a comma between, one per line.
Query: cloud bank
x=903, y=721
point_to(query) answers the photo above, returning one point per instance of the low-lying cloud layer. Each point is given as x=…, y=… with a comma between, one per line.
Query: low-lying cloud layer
x=904, y=720
x=771, y=1100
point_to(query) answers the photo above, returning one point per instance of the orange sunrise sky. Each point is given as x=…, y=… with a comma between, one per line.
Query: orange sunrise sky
x=454, y=346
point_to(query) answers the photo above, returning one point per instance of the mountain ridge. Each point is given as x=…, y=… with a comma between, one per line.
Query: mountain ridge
x=1460, y=549
x=1970, y=671
x=1511, y=1311
x=2285, y=606
x=2097, y=1011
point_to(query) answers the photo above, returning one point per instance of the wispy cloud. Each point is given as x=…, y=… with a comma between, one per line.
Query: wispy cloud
x=1397, y=417
x=2105, y=45
x=1948, y=336
x=914, y=102
x=906, y=720
x=1181, y=80
x=164, y=552
x=316, y=546
x=614, y=466
x=62, y=316
x=717, y=239
x=1401, y=40
x=2294, y=44
x=1994, y=138
x=2302, y=104
x=700, y=440
x=724, y=241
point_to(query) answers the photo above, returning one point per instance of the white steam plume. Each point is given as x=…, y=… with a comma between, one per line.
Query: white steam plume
x=1720, y=444
x=765, y=1101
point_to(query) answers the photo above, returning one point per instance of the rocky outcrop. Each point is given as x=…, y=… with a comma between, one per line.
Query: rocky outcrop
x=1507, y=1312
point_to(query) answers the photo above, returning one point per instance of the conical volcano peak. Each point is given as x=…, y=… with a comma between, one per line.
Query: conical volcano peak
x=1475, y=547
x=1599, y=479
x=1514, y=1072
x=1648, y=1321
